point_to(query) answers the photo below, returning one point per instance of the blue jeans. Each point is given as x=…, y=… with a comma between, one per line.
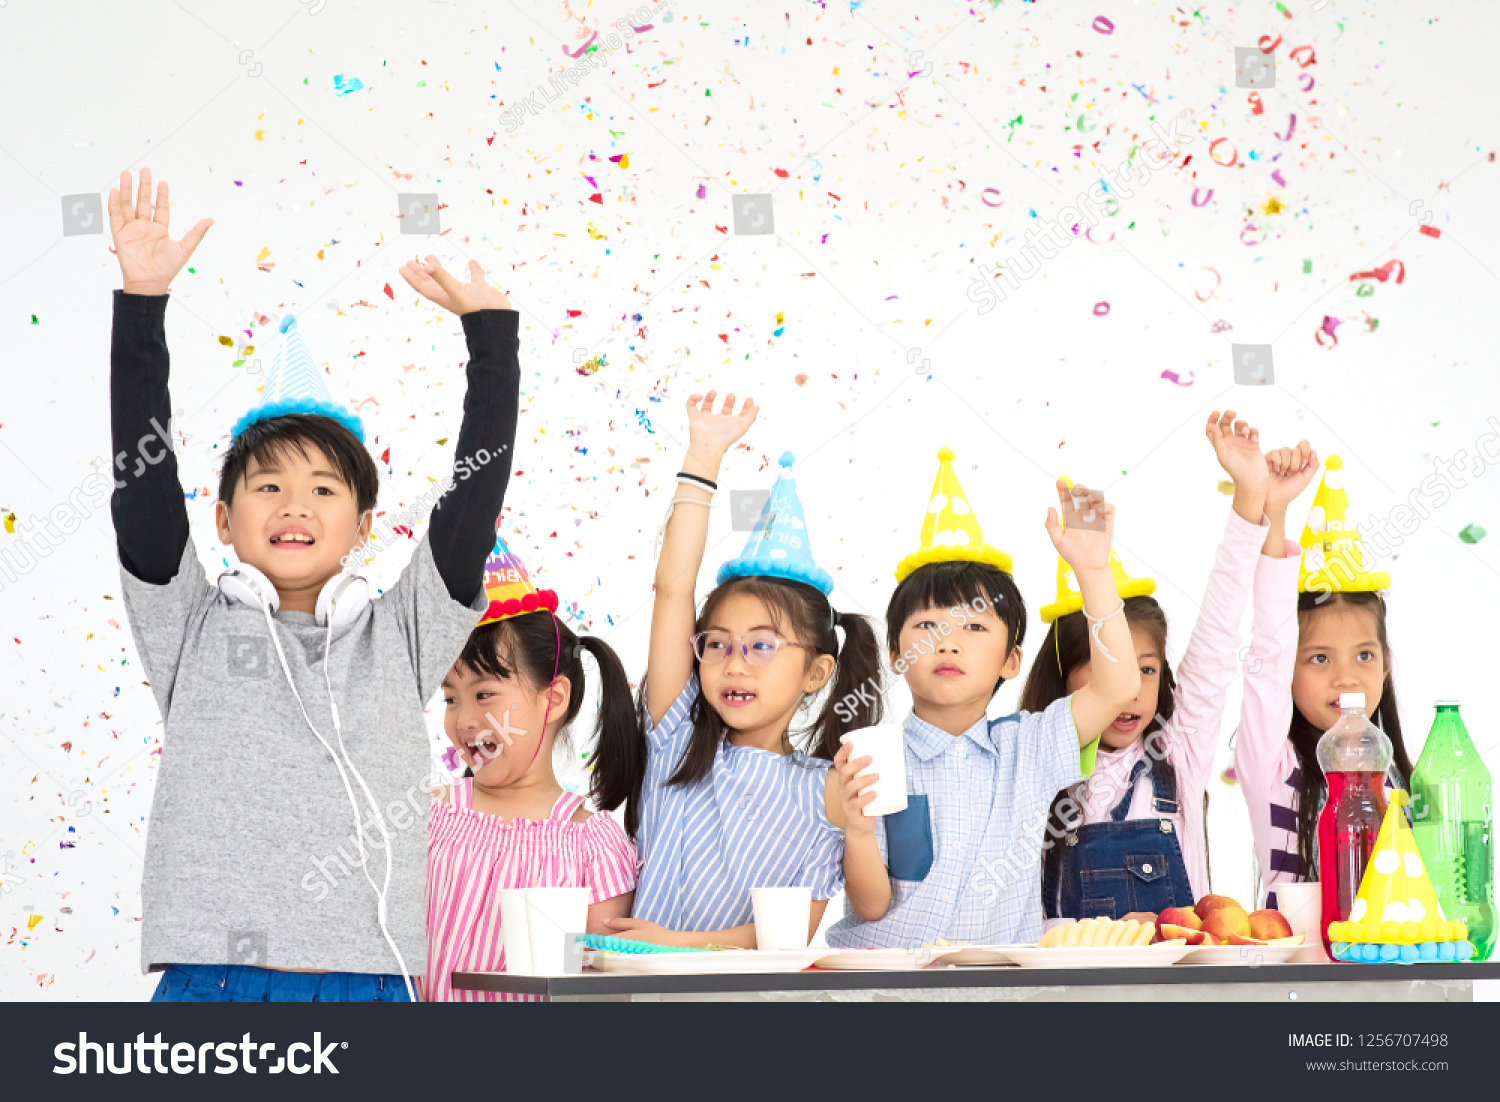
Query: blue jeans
x=238, y=983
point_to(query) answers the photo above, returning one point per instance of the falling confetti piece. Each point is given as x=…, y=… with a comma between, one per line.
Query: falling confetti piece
x=32, y=921
x=1226, y=488
x=1306, y=267
x=388, y=293
x=1430, y=231
x=227, y=342
x=1472, y=534
x=1100, y=309
x=260, y=135
x=1103, y=25
x=35, y=322
x=342, y=85
x=621, y=159
x=1173, y=377
x=801, y=380
x=702, y=191
x=1229, y=776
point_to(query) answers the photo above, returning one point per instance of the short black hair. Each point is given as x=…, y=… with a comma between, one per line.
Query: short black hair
x=948, y=584
x=268, y=441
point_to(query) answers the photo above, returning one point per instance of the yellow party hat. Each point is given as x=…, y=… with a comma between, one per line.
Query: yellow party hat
x=1396, y=904
x=1069, y=599
x=950, y=533
x=1331, y=559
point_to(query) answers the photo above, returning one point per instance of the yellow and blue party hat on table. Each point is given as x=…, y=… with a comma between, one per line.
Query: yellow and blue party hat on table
x=1397, y=917
x=1331, y=557
x=509, y=587
x=1069, y=599
x=950, y=533
x=778, y=546
x=295, y=385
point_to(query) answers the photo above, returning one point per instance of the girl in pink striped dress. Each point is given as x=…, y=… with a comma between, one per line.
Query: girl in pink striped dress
x=508, y=823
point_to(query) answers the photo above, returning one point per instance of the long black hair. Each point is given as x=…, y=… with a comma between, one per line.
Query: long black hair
x=1066, y=648
x=527, y=647
x=802, y=614
x=1304, y=736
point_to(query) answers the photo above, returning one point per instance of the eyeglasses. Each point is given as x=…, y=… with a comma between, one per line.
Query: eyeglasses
x=758, y=647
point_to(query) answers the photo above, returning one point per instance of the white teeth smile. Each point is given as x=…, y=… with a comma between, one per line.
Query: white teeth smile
x=734, y=694
x=291, y=537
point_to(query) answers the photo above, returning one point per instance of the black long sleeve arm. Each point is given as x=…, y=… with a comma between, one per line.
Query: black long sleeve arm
x=463, y=521
x=151, y=521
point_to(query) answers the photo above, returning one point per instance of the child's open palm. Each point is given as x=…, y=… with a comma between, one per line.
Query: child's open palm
x=1087, y=529
x=149, y=258
x=714, y=433
x=435, y=283
x=1237, y=446
x=1291, y=469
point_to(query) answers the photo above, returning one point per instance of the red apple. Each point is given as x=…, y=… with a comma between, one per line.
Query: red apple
x=1269, y=924
x=1211, y=903
x=1182, y=917
x=1225, y=922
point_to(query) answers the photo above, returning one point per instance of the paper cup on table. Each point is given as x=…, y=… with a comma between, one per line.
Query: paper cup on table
x=886, y=744
x=782, y=917
x=1302, y=905
x=551, y=913
x=514, y=935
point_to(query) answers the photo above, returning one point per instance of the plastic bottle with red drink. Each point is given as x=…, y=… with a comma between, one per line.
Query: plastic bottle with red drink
x=1354, y=754
x=1453, y=822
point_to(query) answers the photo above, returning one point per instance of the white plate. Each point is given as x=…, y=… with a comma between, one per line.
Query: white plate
x=970, y=955
x=886, y=960
x=1143, y=956
x=722, y=962
x=1240, y=954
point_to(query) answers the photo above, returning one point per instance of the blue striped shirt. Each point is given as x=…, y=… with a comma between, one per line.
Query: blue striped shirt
x=757, y=821
x=988, y=793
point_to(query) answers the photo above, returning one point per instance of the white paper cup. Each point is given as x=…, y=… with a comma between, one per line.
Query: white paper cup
x=887, y=746
x=782, y=917
x=551, y=913
x=513, y=931
x=1302, y=904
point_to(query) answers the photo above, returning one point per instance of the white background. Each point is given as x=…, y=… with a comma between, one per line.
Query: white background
x=876, y=177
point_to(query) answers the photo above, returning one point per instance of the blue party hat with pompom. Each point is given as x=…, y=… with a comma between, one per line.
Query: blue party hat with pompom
x=778, y=547
x=295, y=385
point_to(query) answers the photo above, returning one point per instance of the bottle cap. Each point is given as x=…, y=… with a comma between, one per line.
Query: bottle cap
x=1352, y=700
x=1447, y=702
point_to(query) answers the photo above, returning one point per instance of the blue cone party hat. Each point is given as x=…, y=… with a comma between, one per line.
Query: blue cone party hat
x=778, y=547
x=295, y=385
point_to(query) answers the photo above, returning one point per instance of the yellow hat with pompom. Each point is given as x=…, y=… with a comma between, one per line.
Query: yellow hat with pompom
x=1331, y=558
x=1069, y=599
x=950, y=533
x=1396, y=904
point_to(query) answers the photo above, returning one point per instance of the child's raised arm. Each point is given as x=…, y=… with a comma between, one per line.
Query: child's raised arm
x=463, y=520
x=669, y=664
x=1116, y=677
x=151, y=521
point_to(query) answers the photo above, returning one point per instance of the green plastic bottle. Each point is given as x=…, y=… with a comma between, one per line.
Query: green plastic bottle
x=1454, y=824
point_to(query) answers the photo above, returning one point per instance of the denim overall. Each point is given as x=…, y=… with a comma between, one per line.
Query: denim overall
x=1107, y=870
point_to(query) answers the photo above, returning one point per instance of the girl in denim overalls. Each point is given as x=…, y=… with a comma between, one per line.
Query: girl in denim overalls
x=1132, y=839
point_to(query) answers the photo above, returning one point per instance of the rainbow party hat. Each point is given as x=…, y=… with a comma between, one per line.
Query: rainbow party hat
x=509, y=587
x=1331, y=559
x=950, y=533
x=1396, y=916
x=1069, y=599
x=778, y=546
x=295, y=385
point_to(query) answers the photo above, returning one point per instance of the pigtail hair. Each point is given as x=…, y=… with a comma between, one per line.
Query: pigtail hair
x=857, y=679
x=619, y=759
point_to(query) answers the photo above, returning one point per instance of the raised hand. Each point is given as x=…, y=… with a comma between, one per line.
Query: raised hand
x=712, y=434
x=1290, y=470
x=149, y=258
x=435, y=283
x=1237, y=447
x=1083, y=542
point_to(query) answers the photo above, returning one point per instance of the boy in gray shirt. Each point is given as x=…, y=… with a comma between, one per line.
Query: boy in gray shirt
x=292, y=698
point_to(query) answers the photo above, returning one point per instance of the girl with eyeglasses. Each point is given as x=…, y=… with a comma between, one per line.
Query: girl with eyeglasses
x=723, y=794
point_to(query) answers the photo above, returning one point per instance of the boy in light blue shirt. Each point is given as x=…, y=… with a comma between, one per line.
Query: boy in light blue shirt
x=962, y=862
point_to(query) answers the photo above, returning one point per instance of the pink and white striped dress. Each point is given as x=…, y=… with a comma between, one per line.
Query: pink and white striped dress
x=472, y=856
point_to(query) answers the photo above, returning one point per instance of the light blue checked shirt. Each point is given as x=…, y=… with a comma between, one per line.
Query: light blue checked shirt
x=988, y=793
x=758, y=821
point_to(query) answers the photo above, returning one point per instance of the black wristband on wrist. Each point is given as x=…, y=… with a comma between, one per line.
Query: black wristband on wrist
x=706, y=483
